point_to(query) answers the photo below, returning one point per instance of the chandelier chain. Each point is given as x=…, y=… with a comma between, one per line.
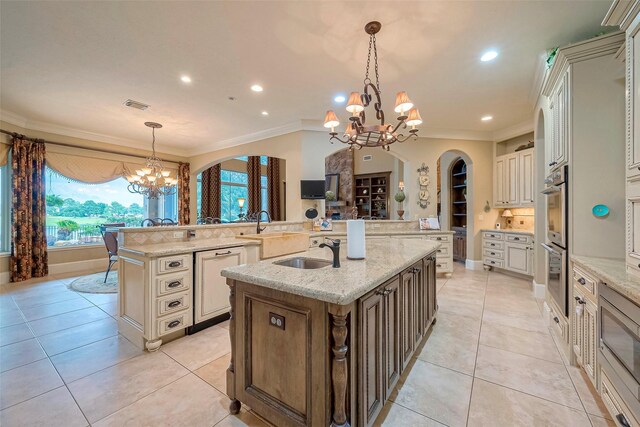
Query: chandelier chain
x=375, y=59
x=366, y=75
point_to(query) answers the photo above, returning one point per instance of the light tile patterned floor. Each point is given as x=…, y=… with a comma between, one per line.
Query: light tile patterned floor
x=489, y=361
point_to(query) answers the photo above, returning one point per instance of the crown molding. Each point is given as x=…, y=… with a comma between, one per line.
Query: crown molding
x=39, y=126
x=607, y=44
x=513, y=131
x=621, y=13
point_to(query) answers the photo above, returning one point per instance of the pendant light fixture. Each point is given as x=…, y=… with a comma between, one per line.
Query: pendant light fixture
x=358, y=134
x=152, y=180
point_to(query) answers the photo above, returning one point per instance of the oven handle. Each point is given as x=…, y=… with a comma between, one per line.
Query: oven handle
x=551, y=190
x=549, y=248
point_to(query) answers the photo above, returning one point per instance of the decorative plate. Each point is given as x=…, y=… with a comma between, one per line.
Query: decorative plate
x=600, y=211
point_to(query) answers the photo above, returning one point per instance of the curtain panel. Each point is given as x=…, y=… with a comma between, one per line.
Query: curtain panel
x=4, y=153
x=254, y=171
x=28, y=235
x=273, y=188
x=210, y=197
x=183, y=194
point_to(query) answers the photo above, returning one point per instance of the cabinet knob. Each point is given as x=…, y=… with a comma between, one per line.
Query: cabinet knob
x=582, y=281
x=555, y=319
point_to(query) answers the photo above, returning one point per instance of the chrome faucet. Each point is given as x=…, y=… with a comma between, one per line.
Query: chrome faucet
x=259, y=214
x=335, y=248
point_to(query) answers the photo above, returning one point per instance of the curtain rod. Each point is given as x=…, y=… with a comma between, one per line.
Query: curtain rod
x=64, y=144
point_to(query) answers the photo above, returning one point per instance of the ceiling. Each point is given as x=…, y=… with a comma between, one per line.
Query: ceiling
x=71, y=65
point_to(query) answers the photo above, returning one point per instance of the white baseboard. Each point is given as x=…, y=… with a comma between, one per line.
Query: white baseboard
x=72, y=267
x=471, y=264
x=539, y=289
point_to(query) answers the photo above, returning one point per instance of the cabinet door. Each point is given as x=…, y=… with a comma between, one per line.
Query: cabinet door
x=407, y=286
x=371, y=356
x=589, y=345
x=633, y=225
x=518, y=258
x=391, y=335
x=211, y=290
x=633, y=92
x=561, y=123
x=511, y=180
x=430, y=277
x=577, y=323
x=420, y=306
x=525, y=177
x=550, y=135
x=499, y=182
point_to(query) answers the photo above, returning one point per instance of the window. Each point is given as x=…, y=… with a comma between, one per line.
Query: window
x=75, y=209
x=5, y=207
x=233, y=186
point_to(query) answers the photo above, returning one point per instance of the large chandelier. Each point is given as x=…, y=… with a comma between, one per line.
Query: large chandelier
x=358, y=134
x=152, y=180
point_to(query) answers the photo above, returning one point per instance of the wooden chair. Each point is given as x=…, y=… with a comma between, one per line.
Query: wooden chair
x=111, y=242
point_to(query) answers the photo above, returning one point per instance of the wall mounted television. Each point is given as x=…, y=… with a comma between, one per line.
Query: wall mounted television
x=312, y=189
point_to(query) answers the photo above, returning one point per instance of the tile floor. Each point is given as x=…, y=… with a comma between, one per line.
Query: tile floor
x=489, y=361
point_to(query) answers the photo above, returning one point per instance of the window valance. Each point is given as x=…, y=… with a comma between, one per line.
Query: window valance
x=94, y=167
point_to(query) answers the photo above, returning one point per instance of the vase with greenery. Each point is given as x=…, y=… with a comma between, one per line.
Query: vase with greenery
x=400, y=197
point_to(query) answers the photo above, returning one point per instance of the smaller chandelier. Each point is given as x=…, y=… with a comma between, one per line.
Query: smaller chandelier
x=152, y=180
x=358, y=133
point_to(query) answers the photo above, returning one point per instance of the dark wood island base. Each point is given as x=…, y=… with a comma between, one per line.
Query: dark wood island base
x=299, y=361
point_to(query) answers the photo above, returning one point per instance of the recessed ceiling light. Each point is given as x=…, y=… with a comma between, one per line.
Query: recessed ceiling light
x=486, y=118
x=185, y=79
x=488, y=56
x=339, y=99
x=256, y=88
x=265, y=113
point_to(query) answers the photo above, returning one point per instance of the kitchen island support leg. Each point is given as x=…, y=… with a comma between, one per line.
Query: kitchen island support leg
x=234, y=405
x=339, y=366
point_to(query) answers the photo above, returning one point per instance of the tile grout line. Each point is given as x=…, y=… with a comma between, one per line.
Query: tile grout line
x=473, y=376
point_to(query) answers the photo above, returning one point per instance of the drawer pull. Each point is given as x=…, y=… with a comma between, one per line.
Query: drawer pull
x=438, y=265
x=173, y=324
x=553, y=163
x=580, y=300
x=384, y=292
x=555, y=319
x=623, y=420
x=175, y=303
x=174, y=284
x=582, y=281
x=493, y=244
x=174, y=264
x=223, y=253
x=439, y=250
x=493, y=253
x=516, y=238
x=438, y=238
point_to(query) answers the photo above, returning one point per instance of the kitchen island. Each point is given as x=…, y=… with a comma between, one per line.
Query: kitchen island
x=326, y=346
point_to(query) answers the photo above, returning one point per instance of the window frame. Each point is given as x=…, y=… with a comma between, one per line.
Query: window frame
x=6, y=181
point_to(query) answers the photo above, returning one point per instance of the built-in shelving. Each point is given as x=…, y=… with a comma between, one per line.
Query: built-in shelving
x=372, y=195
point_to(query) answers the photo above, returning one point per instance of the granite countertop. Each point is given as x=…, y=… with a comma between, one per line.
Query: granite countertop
x=383, y=233
x=173, y=248
x=614, y=273
x=385, y=258
x=510, y=231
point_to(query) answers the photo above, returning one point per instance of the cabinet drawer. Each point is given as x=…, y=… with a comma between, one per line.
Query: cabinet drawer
x=492, y=236
x=491, y=244
x=174, y=322
x=517, y=238
x=586, y=282
x=494, y=262
x=443, y=266
x=614, y=403
x=560, y=326
x=441, y=237
x=443, y=251
x=174, y=263
x=173, y=303
x=493, y=253
x=170, y=284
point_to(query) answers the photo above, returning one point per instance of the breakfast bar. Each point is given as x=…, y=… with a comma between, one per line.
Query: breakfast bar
x=313, y=345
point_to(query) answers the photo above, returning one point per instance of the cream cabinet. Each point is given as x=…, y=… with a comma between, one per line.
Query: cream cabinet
x=513, y=179
x=211, y=290
x=633, y=147
x=155, y=297
x=584, y=331
x=559, y=107
x=508, y=251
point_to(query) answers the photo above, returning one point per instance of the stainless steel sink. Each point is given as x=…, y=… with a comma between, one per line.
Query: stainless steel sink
x=303, y=263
